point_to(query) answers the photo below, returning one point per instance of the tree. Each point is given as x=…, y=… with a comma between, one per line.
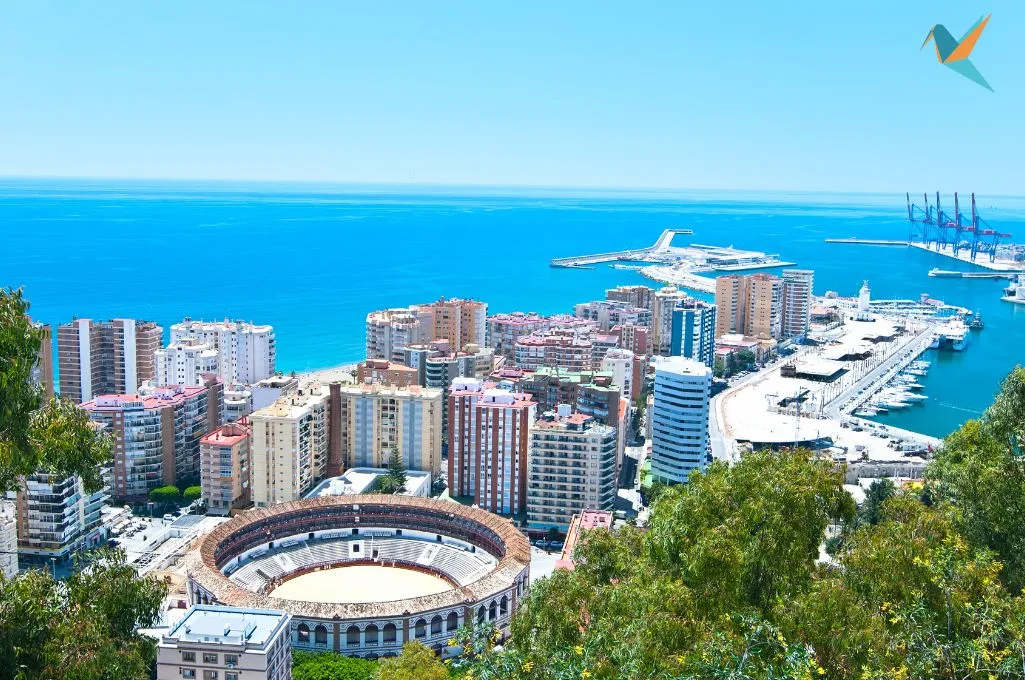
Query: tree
x=417, y=662
x=719, y=368
x=82, y=628
x=746, y=358
x=553, y=534
x=192, y=493
x=396, y=473
x=164, y=495
x=330, y=666
x=55, y=436
x=878, y=492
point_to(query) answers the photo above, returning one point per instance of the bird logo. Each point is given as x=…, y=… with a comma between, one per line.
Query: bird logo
x=954, y=53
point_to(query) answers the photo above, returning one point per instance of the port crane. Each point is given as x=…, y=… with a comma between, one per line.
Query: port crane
x=939, y=230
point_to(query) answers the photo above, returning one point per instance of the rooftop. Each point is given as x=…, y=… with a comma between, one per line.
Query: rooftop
x=229, y=434
x=159, y=398
x=227, y=625
x=588, y=519
x=361, y=480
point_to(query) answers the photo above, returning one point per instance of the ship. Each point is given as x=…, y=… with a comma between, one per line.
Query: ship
x=977, y=324
x=952, y=335
x=1016, y=291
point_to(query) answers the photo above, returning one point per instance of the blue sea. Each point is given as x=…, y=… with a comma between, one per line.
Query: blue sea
x=314, y=260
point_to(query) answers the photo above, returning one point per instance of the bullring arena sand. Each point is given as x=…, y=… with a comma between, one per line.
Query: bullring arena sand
x=360, y=583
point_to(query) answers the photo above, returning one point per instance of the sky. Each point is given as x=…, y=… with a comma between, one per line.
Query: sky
x=817, y=96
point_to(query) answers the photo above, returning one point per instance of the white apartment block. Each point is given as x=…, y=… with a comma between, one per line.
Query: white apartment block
x=56, y=517
x=8, y=541
x=679, y=418
x=289, y=446
x=227, y=643
x=620, y=363
x=246, y=351
x=390, y=331
x=184, y=363
x=797, y=300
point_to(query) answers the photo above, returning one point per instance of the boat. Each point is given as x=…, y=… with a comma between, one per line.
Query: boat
x=919, y=371
x=1016, y=291
x=952, y=335
x=911, y=396
x=977, y=324
x=921, y=363
x=866, y=412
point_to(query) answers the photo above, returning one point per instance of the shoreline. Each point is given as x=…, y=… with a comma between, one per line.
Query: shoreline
x=339, y=373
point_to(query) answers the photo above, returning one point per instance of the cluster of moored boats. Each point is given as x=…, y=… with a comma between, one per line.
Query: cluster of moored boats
x=901, y=392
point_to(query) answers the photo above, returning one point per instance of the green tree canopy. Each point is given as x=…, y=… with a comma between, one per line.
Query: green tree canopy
x=417, y=662
x=396, y=473
x=330, y=666
x=165, y=494
x=192, y=493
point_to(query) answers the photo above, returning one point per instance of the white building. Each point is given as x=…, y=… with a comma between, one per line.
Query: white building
x=56, y=518
x=797, y=299
x=620, y=363
x=8, y=541
x=679, y=418
x=246, y=351
x=225, y=643
x=390, y=331
x=289, y=447
x=864, y=303
x=184, y=363
x=368, y=480
x=238, y=403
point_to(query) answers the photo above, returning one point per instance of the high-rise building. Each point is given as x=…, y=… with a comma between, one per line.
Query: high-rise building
x=227, y=643
x=797, y=298
x=730, y=304
x=694, y=331
x=572, y=466
x=156, y=434
x=461, y=322
x=505, y=329
x=224, y=468
x=8, y=541
x=638, y=296
x=489, y=432
x=679, y=418
x=238, y=403
x=606, y=314
x=622, y=364
x=749, y=305
x=568, y=348
x=105, y=357
x=289, y=445
x=389, y=331
x=57, y=518
x=637, y=339
x=246, y=352
x=185, y=362
x=42, y=372
x=372, y=421
x=663, y=304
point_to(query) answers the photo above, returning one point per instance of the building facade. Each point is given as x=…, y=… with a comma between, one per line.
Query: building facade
x=623, y=365
x=663, y=305
x=227, y=643
x=389, y=331
x=637, y=339
x=156, y=434
x=749, y=305
x=638, y=296
x=572, y=466
x=246, y=352
x=797, y=302
x=8, y=541
x=679, y=417
x=185, y=362
x=384, y=372
x=42, y=372
x=693, y=334
x=105, y=357
x=289, y=445
x=225, y=474
x=609, y=313
x=56, y=517
x=505, y=329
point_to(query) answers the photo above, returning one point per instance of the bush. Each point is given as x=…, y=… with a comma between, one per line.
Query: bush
x=330, y=666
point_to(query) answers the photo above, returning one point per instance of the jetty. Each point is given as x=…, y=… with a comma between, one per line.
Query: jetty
x=868, y=241
x=637, y=254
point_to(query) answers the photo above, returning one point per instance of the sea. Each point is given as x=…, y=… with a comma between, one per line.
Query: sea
x=313, y=260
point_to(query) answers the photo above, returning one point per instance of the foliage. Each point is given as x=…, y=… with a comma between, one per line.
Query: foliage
x=83, y=628
x=54, y=436
x=192, y=493
x=395, y=481
x=165, y=494
x=719, y=368
x=330, y=666
x=878, y=492
x=417, y=662
x=746, y=357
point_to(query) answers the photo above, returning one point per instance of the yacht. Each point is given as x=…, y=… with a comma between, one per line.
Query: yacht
x=977, y=324
x=952, y=335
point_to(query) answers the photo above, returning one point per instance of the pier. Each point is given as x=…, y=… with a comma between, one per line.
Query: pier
x=660, y=246
x=854, y=240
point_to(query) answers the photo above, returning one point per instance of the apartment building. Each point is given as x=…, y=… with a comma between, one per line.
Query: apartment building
x=224, y=468
x=8, y=541
x=42, y=372
x=627, y=372
x=105, y=357
x=57, y=518
x=749, y=305
x=186, y=362
x=637, y=296
x=238, y=403
x=663, y=304
x=488, y=445
x=289, y=445
x=389, y=331
x=156, y=434
x=679, y=418
x=386, y=372
x=593, y=393
x=637, y=339
x=461, y=322
x=505, y=329
x=572, y=466
x=246, y=352
x=606, y=314
x=730, y=304
x=368, y=422
x=227, y=643
x=797, y=302
x=693, y=334
x=567, y=349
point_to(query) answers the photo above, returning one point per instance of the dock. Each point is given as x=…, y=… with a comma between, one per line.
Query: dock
x=660, y=246
x=998, y=265
x=946, y=274
x=867, y=241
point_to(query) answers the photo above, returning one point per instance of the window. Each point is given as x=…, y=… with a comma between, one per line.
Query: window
x=420, y=630
x=352, y=637
x=231, y=676
x=188, y=672
x=436, y=625
x=231, y=660
x=209, y=658
x=320, y=635
x=389, y=632
x=209, y=675
x=452, y=622
x=189, y=657
x=303, y=633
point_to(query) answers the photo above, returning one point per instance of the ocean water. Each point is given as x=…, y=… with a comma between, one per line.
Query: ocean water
x=314, y=260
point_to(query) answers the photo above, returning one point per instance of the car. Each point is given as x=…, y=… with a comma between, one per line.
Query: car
x=169, y=517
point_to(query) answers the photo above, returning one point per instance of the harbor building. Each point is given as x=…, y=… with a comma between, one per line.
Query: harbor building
x=693, y=334
x=56, y=518
x=227, y=643
x=224, y=468
x=8, y=541
x=505, y=329
x=384, y=372
x=489, y=432
x=663, y=304
x=679, y=417
x=246, y=351
x=797, y=302
x=572, y=467
x=607, y=314
x=156, y=434
x=42, y=372
x=185, y=362
x=637, y=296
x=289, y=445
x=369, y=422
x=749, y=305
x=105, y=357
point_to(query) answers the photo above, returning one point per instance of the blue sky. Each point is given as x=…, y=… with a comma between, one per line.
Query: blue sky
x=738, y=95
